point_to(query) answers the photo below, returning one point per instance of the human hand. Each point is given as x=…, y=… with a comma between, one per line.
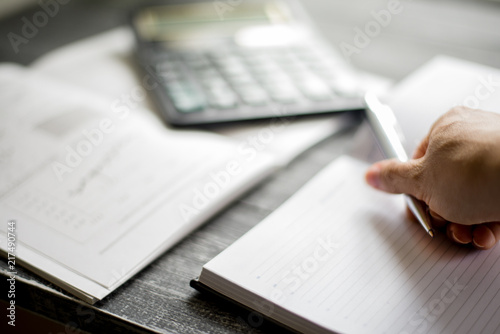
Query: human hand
x=456, y=172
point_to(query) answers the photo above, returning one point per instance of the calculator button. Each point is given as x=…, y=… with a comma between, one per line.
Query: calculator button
x=222, y=97
x=169, y=76
x=255, y=100
x=322, y=69
x=284, y=98
x=185, y=96
x=219, y=90
x=166, y=66
x=282, y=86
x=296, y=71
x=305, y=53
x=215, y=83
x=226, y=101
x=315, y=89
x=233, y=70
x=207, y=73
x=253, y=96
x=227, y=61
x=196, y=61
x=186, y=103
x=181, y=87
x=242, y=80
x=346, y=89
x=168, y=71
x=217, y=56
x=284, y=94
x=264, y=68
x=175, y=87
x=270, y=79
x=288, y=61
x=301, y=74
x=256, y=59
x=345, y=85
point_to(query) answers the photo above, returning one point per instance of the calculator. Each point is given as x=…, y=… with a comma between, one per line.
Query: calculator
x=236, y=60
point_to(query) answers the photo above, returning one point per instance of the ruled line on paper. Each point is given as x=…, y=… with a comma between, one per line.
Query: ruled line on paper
x=360, y=254
x=382, y=278
x=475, y=283
x=305, y=244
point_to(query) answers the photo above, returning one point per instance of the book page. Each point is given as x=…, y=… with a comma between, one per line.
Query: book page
x=96, y=192
x=342, y=257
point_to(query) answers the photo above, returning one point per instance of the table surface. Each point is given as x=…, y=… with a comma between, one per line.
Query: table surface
x=159, y=298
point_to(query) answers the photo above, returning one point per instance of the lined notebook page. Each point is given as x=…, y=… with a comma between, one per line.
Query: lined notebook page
x=345, y=257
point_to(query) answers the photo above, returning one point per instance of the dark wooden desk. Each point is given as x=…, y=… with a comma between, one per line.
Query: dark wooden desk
x=159, y=298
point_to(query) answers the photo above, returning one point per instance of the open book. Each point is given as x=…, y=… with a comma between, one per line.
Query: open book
x=96, y=193
x=341, y=257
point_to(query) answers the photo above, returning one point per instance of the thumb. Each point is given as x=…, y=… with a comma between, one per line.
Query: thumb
x=394, y=176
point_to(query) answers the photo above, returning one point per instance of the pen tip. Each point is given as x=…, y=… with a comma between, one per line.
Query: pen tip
x=431, y=233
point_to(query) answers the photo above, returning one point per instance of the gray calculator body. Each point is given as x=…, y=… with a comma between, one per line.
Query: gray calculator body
x=226, y=61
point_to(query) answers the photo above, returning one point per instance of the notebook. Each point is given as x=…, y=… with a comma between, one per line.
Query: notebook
x=340, y=257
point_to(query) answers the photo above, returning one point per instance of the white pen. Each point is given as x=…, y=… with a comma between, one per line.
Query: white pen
x=385, y=125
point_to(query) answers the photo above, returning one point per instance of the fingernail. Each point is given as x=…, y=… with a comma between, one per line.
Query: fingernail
x=457, y=239
x=373, y=176
x=478, y=244
x=483, y=237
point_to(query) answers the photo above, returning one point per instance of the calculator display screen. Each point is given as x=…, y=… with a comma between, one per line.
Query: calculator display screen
x=209, y=20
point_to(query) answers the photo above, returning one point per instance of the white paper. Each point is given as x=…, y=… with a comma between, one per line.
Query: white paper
x=97, y=193
x=344, y=258
x=426, y=94
x=441, y=84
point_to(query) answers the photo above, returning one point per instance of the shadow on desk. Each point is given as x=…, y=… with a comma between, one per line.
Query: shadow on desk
x=245, y=316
